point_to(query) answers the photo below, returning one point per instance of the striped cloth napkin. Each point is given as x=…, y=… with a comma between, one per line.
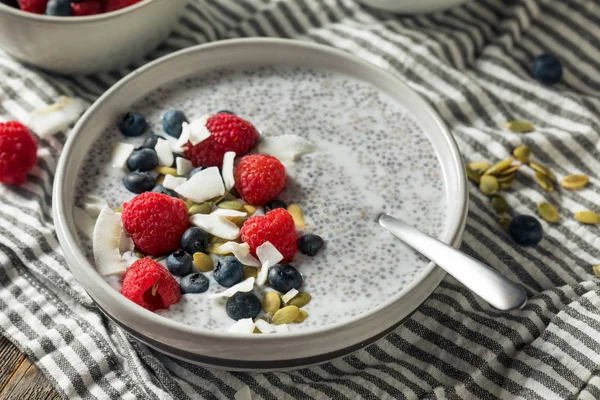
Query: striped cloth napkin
x=472, y=64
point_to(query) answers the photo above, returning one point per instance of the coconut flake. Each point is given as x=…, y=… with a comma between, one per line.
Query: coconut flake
x=241, y=251
x=179, y=146
x=204, y=185
x=105, y=243
x=129, y=257
x=223, y=212
x=93, y=204
x=125, y=242
x=84, y=222
x=120, y=153
x=266, y=252
x=184, y=166
x=227, y=170
x=164, y=153
x=281, y=328
x=264, y=326
x=244, y=325
x=56, y=118
x=173, y=182
x=244, y=286
x=115, y=282
x=285, y=147
x=263, y=272
x=216, y=225
x=289, y=295
x=198, y=130
x=243, y=394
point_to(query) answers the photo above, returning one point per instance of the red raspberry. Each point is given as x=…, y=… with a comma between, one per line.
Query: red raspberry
x=113, y=5
x=276, y=227
x=259, y=178
x=150, y=285
x=90, y=7
x=33, y=6
x=18, y=152
x=155, y=222
x=228, y=132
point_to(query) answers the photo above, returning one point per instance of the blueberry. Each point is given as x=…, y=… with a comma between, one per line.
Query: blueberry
x=284, y=277
x=150, y=142
x=138, y=182
x=228, y=271
x=142, y=160
x=164, y=190
x=243, y=305
x=273, y=204
x=547, y=69
x=194, y=283
x=525, y=230
x=59, y=8
x=172, y=121
x=225, y=112
x=310, y=244
x=194, y=171
x=179, y=263
x=132, y=124
x=194, y=240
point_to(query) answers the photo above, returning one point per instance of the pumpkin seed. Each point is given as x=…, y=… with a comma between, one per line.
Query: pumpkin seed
x=118, y=209
x=159, y=258
x=479, y=166
x=519, y=126
x=505, y=178
x=301, y=317
x=510, y=170
x=139, y=253
x=522, y=154
x=472, y=174
x=300, y=300
x=499, y=204
x=256, y=330
x=499, y=166
x=189, y=203
x=166, y=170
x=249, y=272
x=271, y=302
x=574, y=181
x=544, y=181
x=231, y=205
x=215, y=248
x=159, y=179
x=203, y=262
x=543, y=170
x=548, y=212
x=285, y=315
x=249, y=209
x=507, y=184
x=201, y=208
x=596, y=269
x=297, y=215
x=504, y=223
x=587, y=217
x=489, y=184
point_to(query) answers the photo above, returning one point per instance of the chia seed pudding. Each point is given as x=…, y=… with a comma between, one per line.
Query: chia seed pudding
x=371, y=157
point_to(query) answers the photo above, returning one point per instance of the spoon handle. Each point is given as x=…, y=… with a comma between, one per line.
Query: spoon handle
x=489, y=284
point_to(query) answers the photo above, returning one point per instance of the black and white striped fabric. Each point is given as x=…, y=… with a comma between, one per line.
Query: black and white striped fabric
x=472, y=64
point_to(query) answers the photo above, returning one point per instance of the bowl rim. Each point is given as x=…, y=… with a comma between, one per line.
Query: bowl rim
x=70, y=19
x=72, y=251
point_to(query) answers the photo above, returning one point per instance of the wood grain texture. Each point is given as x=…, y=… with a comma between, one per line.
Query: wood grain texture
x=19, y=378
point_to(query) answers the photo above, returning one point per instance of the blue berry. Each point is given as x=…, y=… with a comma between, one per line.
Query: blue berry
x=525, y=230
x=138, y=182
x=164, y=190
x=194, y=171
x=225, y=112
x=172, y=121
x=243, y=305
x=59, y=8
x=273, y=204
x=150, y=142
x=132, y=124
x=228, y=271
x=194, y=240
x=310, y=244
x=179, y=263
x=142, y=160
x=547, y=69
x=284, y=277
x=194, y=283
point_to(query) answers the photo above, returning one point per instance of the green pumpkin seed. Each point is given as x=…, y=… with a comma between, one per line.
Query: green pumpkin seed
x=522, y=154
x=300, y=300
x=249, y=272
x=473, y=175
x=542, y=170
x=231, y=205
x=504, y=223
x=544, y=181
x=587, y=217
x=249, y=209
x=166, y=170
x=510, y=170
x=118, y=209
x=285, y=315
x=271, y=302
x=499, y=204
x=519, y=126
x=202, y=208
x=499, y=166
x=297, y=215
x=479, y=166
x=574, y=181
x=506, y=178
x=301, y=317
x=548, y=212
x=139, y=253
x=489, y=184
x=159, y=258
x=507, y=184
x=159, y=180
x=215, y=248
x=596, y=269
x=203, y=262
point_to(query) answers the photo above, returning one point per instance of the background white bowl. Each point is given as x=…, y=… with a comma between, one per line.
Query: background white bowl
x=83, y=45
x=412, y=6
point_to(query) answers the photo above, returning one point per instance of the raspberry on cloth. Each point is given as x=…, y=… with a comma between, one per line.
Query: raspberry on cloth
x=18, y=152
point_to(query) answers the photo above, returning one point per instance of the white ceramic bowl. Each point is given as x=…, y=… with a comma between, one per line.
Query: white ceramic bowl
x=411, y=6
x=83, y=45
x=236, y=351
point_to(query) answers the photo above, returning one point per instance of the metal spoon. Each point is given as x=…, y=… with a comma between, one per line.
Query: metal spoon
x=489, y=284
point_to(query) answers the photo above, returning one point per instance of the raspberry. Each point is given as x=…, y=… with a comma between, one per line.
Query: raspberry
x=18, y=152
x=228, y=132
x=113, y=5
x=150, y=285
x=276, y=227
x=90, y=7
x=155, y=222
x=33, y=6
x=259, y=178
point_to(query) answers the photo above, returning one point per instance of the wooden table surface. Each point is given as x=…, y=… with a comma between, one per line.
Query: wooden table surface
x=19, y=378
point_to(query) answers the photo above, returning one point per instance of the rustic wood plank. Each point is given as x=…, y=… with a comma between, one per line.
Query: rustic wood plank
x=11, y=358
